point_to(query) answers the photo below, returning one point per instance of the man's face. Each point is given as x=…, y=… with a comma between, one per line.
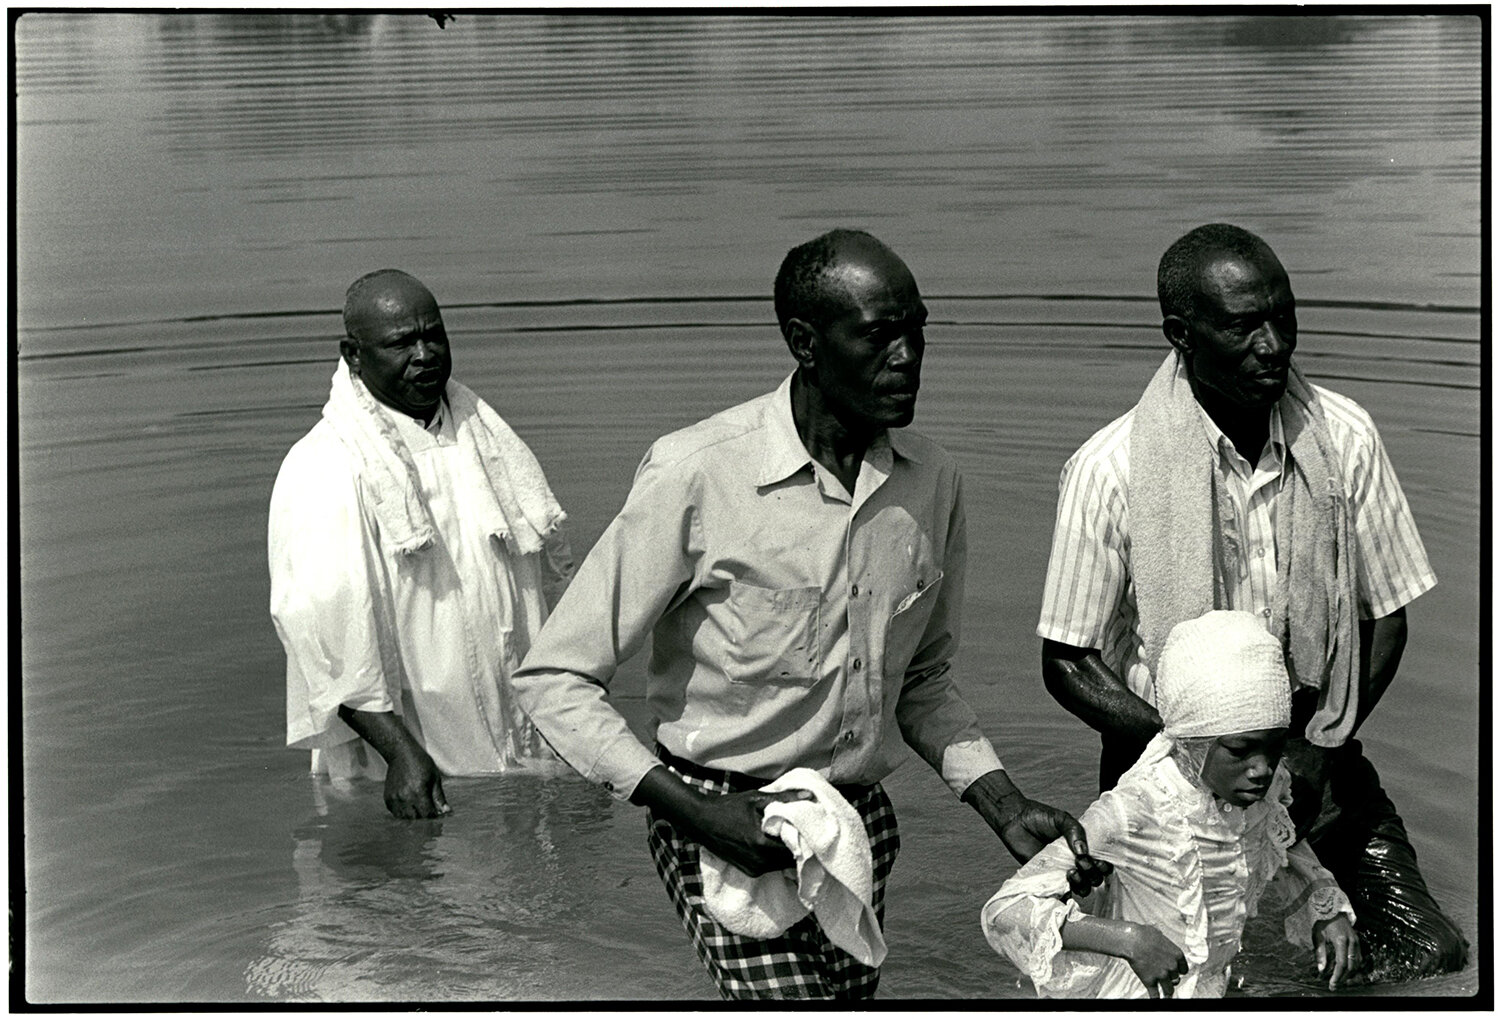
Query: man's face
x=1239, y=766
x=1240, y=337
x=402, y=352
x=867, y=348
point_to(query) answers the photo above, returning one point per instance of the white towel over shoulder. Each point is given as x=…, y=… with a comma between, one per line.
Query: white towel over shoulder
x=506, y=489
x=834, y=877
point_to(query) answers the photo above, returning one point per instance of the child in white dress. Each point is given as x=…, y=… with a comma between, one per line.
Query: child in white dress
x=1197, y=831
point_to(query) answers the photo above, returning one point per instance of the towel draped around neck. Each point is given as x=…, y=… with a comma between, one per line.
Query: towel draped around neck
x=1184, y=540
x=503, y=480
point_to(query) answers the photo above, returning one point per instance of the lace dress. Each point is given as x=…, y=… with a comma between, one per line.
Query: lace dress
x=1186, y=863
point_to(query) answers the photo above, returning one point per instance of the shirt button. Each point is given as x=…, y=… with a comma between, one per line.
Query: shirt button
x=848, y=737
x=921, y=584
x=1266, y=613
x=854, y=591
x=1260, y=553
x=856, y=664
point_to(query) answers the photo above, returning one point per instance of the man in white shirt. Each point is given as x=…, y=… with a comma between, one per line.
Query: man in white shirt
x=414, y=550
x=798, y=563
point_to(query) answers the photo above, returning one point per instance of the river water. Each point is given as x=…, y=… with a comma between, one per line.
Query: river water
x=600, y=203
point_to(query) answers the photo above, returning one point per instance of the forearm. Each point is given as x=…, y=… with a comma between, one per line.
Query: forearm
x=1100, y=934
x=939, y=725
x=667, y=795
x=996, y=798
x=1381, y=645
x=727, y=825
x=1078, y=679
x=384, y=731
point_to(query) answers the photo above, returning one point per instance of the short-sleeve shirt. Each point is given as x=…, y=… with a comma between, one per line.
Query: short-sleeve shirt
x=1089, y=598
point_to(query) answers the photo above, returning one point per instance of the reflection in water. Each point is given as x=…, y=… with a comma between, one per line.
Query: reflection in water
x=461, y=908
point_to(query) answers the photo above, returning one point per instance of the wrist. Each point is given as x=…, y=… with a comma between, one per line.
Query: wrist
x=663, y=792
x=995, y=796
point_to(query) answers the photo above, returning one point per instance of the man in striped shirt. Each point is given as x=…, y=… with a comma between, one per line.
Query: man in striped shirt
x=1234, y=484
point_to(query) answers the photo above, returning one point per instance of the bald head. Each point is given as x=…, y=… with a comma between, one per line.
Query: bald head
x=396, y=343
x=376, y=297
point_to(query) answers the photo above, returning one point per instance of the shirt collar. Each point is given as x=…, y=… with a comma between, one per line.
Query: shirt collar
x=405, y=421
x=783, y=454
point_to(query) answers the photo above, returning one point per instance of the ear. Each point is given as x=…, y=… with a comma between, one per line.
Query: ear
x=802, y=338
x=350, y=352
x=1175, y=329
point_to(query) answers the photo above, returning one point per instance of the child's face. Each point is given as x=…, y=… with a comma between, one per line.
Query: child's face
x=1239, y=766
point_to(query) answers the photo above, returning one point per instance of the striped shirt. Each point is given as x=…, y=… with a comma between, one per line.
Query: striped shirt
x=1089, y=599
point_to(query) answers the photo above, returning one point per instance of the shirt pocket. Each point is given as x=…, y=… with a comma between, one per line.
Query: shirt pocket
x=773, y=635
x=909, y=621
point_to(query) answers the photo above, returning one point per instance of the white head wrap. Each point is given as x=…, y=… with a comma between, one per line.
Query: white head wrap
x=1219, y=674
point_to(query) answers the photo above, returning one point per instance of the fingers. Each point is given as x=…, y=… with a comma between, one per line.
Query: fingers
x=1347, y=961
x=438, y=799
x=1077, y=840
x=785, y=796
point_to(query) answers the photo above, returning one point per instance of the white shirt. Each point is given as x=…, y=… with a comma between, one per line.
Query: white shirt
x=432, y=636
x=1192, y=866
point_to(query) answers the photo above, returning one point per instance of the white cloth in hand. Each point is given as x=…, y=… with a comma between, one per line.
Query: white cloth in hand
x=833, y=879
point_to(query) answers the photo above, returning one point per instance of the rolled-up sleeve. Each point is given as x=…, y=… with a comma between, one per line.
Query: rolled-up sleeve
x=933, y=717
x=324, y=569
x=641, y=565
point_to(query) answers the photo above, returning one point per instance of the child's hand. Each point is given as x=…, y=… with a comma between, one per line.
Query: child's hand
x=1337, y=949
x=1156, y=960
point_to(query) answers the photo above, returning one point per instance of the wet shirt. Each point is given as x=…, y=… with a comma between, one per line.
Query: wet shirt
x=432, y=636
x=793, y=624
x=1089, y=597
x=1187, y=863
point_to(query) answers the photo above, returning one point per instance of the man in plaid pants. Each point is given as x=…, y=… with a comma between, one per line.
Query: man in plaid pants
x=798, y=562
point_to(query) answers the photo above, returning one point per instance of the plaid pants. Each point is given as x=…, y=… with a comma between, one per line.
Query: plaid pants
x=799, y=963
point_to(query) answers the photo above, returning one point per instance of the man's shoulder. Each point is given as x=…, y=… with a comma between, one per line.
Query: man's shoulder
x=318, y=452
x=926, y=451
x=1109, y=447
x=727, y=428
x=1343, y=413
x=319, y=441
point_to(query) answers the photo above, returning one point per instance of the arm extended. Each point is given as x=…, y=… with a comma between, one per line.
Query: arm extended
x=413, y=785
